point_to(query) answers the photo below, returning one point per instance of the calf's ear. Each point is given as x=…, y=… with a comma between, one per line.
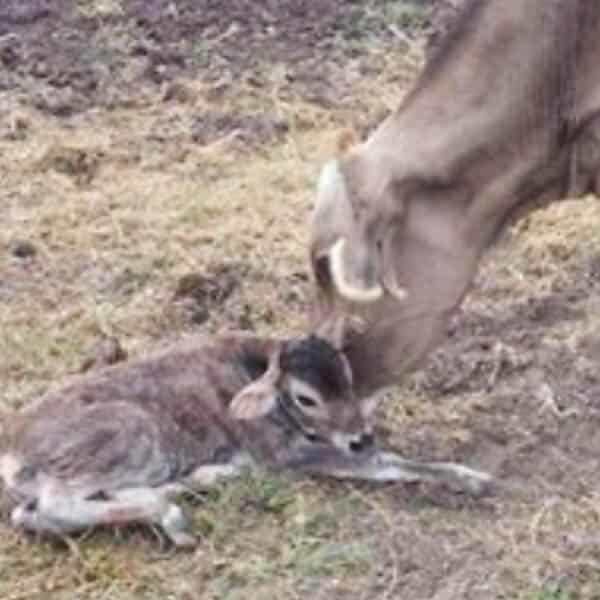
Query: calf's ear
x=258, y=398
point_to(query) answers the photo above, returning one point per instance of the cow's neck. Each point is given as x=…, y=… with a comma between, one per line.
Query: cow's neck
x=488, y=133
x=447, y=226
x=491, y=116
x=482, y=137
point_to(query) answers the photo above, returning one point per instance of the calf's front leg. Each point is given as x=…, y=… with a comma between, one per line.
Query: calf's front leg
x=388, y=467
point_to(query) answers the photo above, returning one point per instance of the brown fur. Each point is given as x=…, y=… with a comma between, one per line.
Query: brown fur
x=503, y=119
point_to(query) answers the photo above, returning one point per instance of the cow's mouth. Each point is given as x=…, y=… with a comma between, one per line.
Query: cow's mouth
x=370, y=283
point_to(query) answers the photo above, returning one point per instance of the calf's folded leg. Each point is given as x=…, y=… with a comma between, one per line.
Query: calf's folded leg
x=58, y=510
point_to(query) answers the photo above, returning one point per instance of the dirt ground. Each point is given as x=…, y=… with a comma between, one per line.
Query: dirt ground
x=158, y=161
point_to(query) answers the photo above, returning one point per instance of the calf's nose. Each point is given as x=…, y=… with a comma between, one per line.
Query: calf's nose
x=363, y=442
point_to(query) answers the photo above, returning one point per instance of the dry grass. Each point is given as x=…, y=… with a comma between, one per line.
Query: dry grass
x=117, y=219
x=100, y=8
x=116, y=223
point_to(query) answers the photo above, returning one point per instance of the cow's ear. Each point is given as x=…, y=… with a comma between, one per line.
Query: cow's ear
x=336, y=327
x=346, y=140
x=333, y=330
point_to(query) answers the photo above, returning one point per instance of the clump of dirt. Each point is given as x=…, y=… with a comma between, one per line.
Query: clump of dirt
x=81, y=164
x=252, y=130
x=15, y=128
x=108, y=351
x=107, y=54
x=210, y=290
x=22, y=248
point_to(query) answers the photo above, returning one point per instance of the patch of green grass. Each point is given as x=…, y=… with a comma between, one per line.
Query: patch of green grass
x=202, y=212
x=548, y=593
x=407, y=15
x=363, y=20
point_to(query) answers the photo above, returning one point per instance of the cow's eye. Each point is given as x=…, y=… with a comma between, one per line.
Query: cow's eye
x=322, y=272
x=306, y=401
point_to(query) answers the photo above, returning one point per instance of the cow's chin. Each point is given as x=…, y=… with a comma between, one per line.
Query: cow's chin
x=352, y=288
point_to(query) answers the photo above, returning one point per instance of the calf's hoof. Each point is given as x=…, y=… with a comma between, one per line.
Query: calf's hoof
x=176, y=526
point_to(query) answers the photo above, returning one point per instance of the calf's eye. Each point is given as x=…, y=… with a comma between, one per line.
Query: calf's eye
x=305, y=401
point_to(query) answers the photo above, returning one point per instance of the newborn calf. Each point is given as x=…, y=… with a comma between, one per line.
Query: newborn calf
x=118, y=446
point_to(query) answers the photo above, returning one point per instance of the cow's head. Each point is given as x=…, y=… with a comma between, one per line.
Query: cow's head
x=356, y=215
x=402, y=219
x=391, y=245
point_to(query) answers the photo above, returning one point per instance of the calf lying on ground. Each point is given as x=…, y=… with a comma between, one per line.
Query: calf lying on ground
x=117, y=446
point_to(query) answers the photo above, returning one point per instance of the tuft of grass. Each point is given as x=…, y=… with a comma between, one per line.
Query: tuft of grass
x=100, y=8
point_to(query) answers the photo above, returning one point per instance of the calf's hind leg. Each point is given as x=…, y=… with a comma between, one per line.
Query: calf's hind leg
x=59, y=510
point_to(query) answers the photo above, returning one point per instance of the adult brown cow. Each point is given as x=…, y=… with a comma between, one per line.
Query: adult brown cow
x=504, y=118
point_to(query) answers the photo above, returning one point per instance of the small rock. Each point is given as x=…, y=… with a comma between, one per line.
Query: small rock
x=199, y=315
x=212, y=288
x=23, y=249
x=178, y=92
x=81, y=164
x=17, y=129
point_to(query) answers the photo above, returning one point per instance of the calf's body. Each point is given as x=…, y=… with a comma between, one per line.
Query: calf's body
x=117, y=445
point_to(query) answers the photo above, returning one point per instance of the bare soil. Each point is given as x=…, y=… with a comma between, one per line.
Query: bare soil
x=158, y=161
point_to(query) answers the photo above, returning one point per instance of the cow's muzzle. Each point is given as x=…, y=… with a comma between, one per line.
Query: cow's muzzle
x=365, y=284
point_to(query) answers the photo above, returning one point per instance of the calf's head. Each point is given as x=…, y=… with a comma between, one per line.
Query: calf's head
x=309, y=381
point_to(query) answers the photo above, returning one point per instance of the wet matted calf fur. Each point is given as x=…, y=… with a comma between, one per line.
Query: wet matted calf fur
x=118, y=445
